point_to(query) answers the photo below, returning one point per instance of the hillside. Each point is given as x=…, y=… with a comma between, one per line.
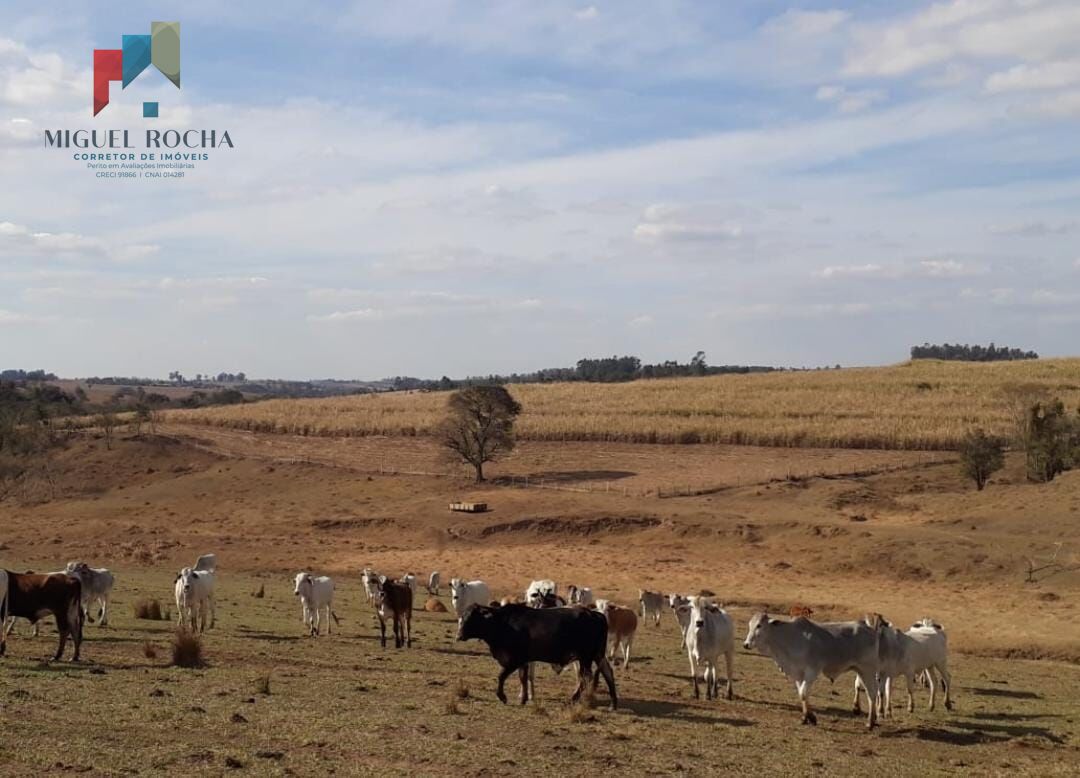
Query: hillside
x=921, y=405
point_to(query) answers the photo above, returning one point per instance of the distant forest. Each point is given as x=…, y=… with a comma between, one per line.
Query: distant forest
x=957, y=353
x=605, y=370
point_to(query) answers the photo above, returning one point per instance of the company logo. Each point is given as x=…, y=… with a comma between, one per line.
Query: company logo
x=161, y=48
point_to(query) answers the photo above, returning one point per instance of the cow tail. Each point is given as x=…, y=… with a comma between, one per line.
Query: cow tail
x=3, y=620
x=336, y=619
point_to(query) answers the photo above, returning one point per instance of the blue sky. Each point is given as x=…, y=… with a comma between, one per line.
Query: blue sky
x=461, y=188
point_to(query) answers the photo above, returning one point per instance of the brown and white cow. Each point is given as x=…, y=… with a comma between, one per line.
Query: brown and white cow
x=622, y=626
x=394, y=602
x=32, y=596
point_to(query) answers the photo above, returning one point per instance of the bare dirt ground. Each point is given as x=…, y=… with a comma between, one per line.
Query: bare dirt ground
x=907, y=544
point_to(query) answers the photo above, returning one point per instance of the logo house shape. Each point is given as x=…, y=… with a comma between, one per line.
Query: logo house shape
x=161, y=48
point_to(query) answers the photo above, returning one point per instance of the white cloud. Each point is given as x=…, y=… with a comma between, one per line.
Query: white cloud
x=377, y=305
x=639, y=322
x=663, y=223
x=18, y=240
x=926, y=268
x=587, y=14
x=1050, y=75
x=13, y=318
x=848, y=271
x=1033, y=229
x=849, y=101
x=806, y=24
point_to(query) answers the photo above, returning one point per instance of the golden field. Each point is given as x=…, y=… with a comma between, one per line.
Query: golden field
x=922, y=405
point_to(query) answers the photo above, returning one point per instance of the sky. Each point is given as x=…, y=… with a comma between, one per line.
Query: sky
x=461, y=188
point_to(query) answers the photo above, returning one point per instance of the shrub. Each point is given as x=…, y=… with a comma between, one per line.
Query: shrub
x=149, y=610
x=1052, y=441
x=187, y=649
x=981, y=456
x=148, y=650
x=262, y=684
x=461, y=690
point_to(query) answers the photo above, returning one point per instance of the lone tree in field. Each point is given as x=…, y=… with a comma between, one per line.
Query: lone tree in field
x=479, y=426
x=981, y=456
x=1053, y=441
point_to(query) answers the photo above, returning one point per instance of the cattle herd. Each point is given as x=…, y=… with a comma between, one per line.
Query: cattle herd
x=543, y=627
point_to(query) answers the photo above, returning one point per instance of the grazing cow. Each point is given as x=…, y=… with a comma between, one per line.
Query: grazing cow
x=466, y=593
x=394, y=602
x=622, y=627
x=680, y=609
x=370, y=579
x=97, y=585
x=710, y=634
x=194, y=590
x=804, y=650
x=3, y=610
x=34, y=597
x=537, y=590
x=910, y=655
x=651, y=605
x=580, y=595
x=518, y=635
x=316, y=595
x=433, y=584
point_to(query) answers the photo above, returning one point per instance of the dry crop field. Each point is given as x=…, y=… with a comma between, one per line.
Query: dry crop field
x=921, y=405
x=271, y=701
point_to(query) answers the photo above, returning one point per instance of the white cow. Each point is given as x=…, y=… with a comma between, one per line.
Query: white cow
x=316, y=595
x=680, y=608
x=207, y=563
x=540, y=590
x=581, y=595
x=409, y=580
x=710, y=634
x=433, y=584
x=652, y=603
x=370, y=579
x=921, y=649
x=805, y=650
x=194, y=591
x=3, y=610
x=97, y=585
x=466, y=593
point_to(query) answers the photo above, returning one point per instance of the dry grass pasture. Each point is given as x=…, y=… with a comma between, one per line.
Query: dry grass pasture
x=906, y=542
x=920, y=405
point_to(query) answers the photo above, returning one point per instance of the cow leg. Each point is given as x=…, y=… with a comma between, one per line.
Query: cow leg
x=856, y=705
x=329, y=622
x=609, y=678
x=803, y=688
x=933, y=687
x=946, y=682
x=709, y=676
x=213, y=611
x=627, y=645
x=583, y=679
x=870, y=681
x=523, y=679
x=103, y=617
x=729, y=664
x=382, y=631
x=693, y=677
x=63, y=626
x=408, y=630
x=506, y=673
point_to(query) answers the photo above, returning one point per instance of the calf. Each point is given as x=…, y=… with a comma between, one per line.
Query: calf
x=710, y=633
x=33, y=597
x=316, y=595
x=805, y=650
x=651, y=605
x=370, y=579
x=622, y=627
x=466, y=593
x=580, y=595
x=194, y=591
x=680, y=609
x=394, y=601
x=909, y=655
x=518, y=635
x=433, y=584
x=97, y=585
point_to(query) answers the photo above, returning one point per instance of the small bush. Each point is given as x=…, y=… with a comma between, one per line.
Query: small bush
x=981, y=456
x=451, y=708
x=261, y=593
x=148, y=650
x=187, y=649
x=461, y=690
x=149, y=610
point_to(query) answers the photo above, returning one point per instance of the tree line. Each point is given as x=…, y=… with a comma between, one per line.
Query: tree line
x=967, y=353
x=606, y=370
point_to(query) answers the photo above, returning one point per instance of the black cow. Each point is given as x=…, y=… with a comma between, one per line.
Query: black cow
x=34, y=597
x=518, y=635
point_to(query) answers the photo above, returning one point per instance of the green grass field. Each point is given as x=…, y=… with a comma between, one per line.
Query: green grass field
x=344, y=705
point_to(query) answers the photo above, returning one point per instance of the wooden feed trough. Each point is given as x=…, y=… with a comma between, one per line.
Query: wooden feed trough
x=468, y=507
